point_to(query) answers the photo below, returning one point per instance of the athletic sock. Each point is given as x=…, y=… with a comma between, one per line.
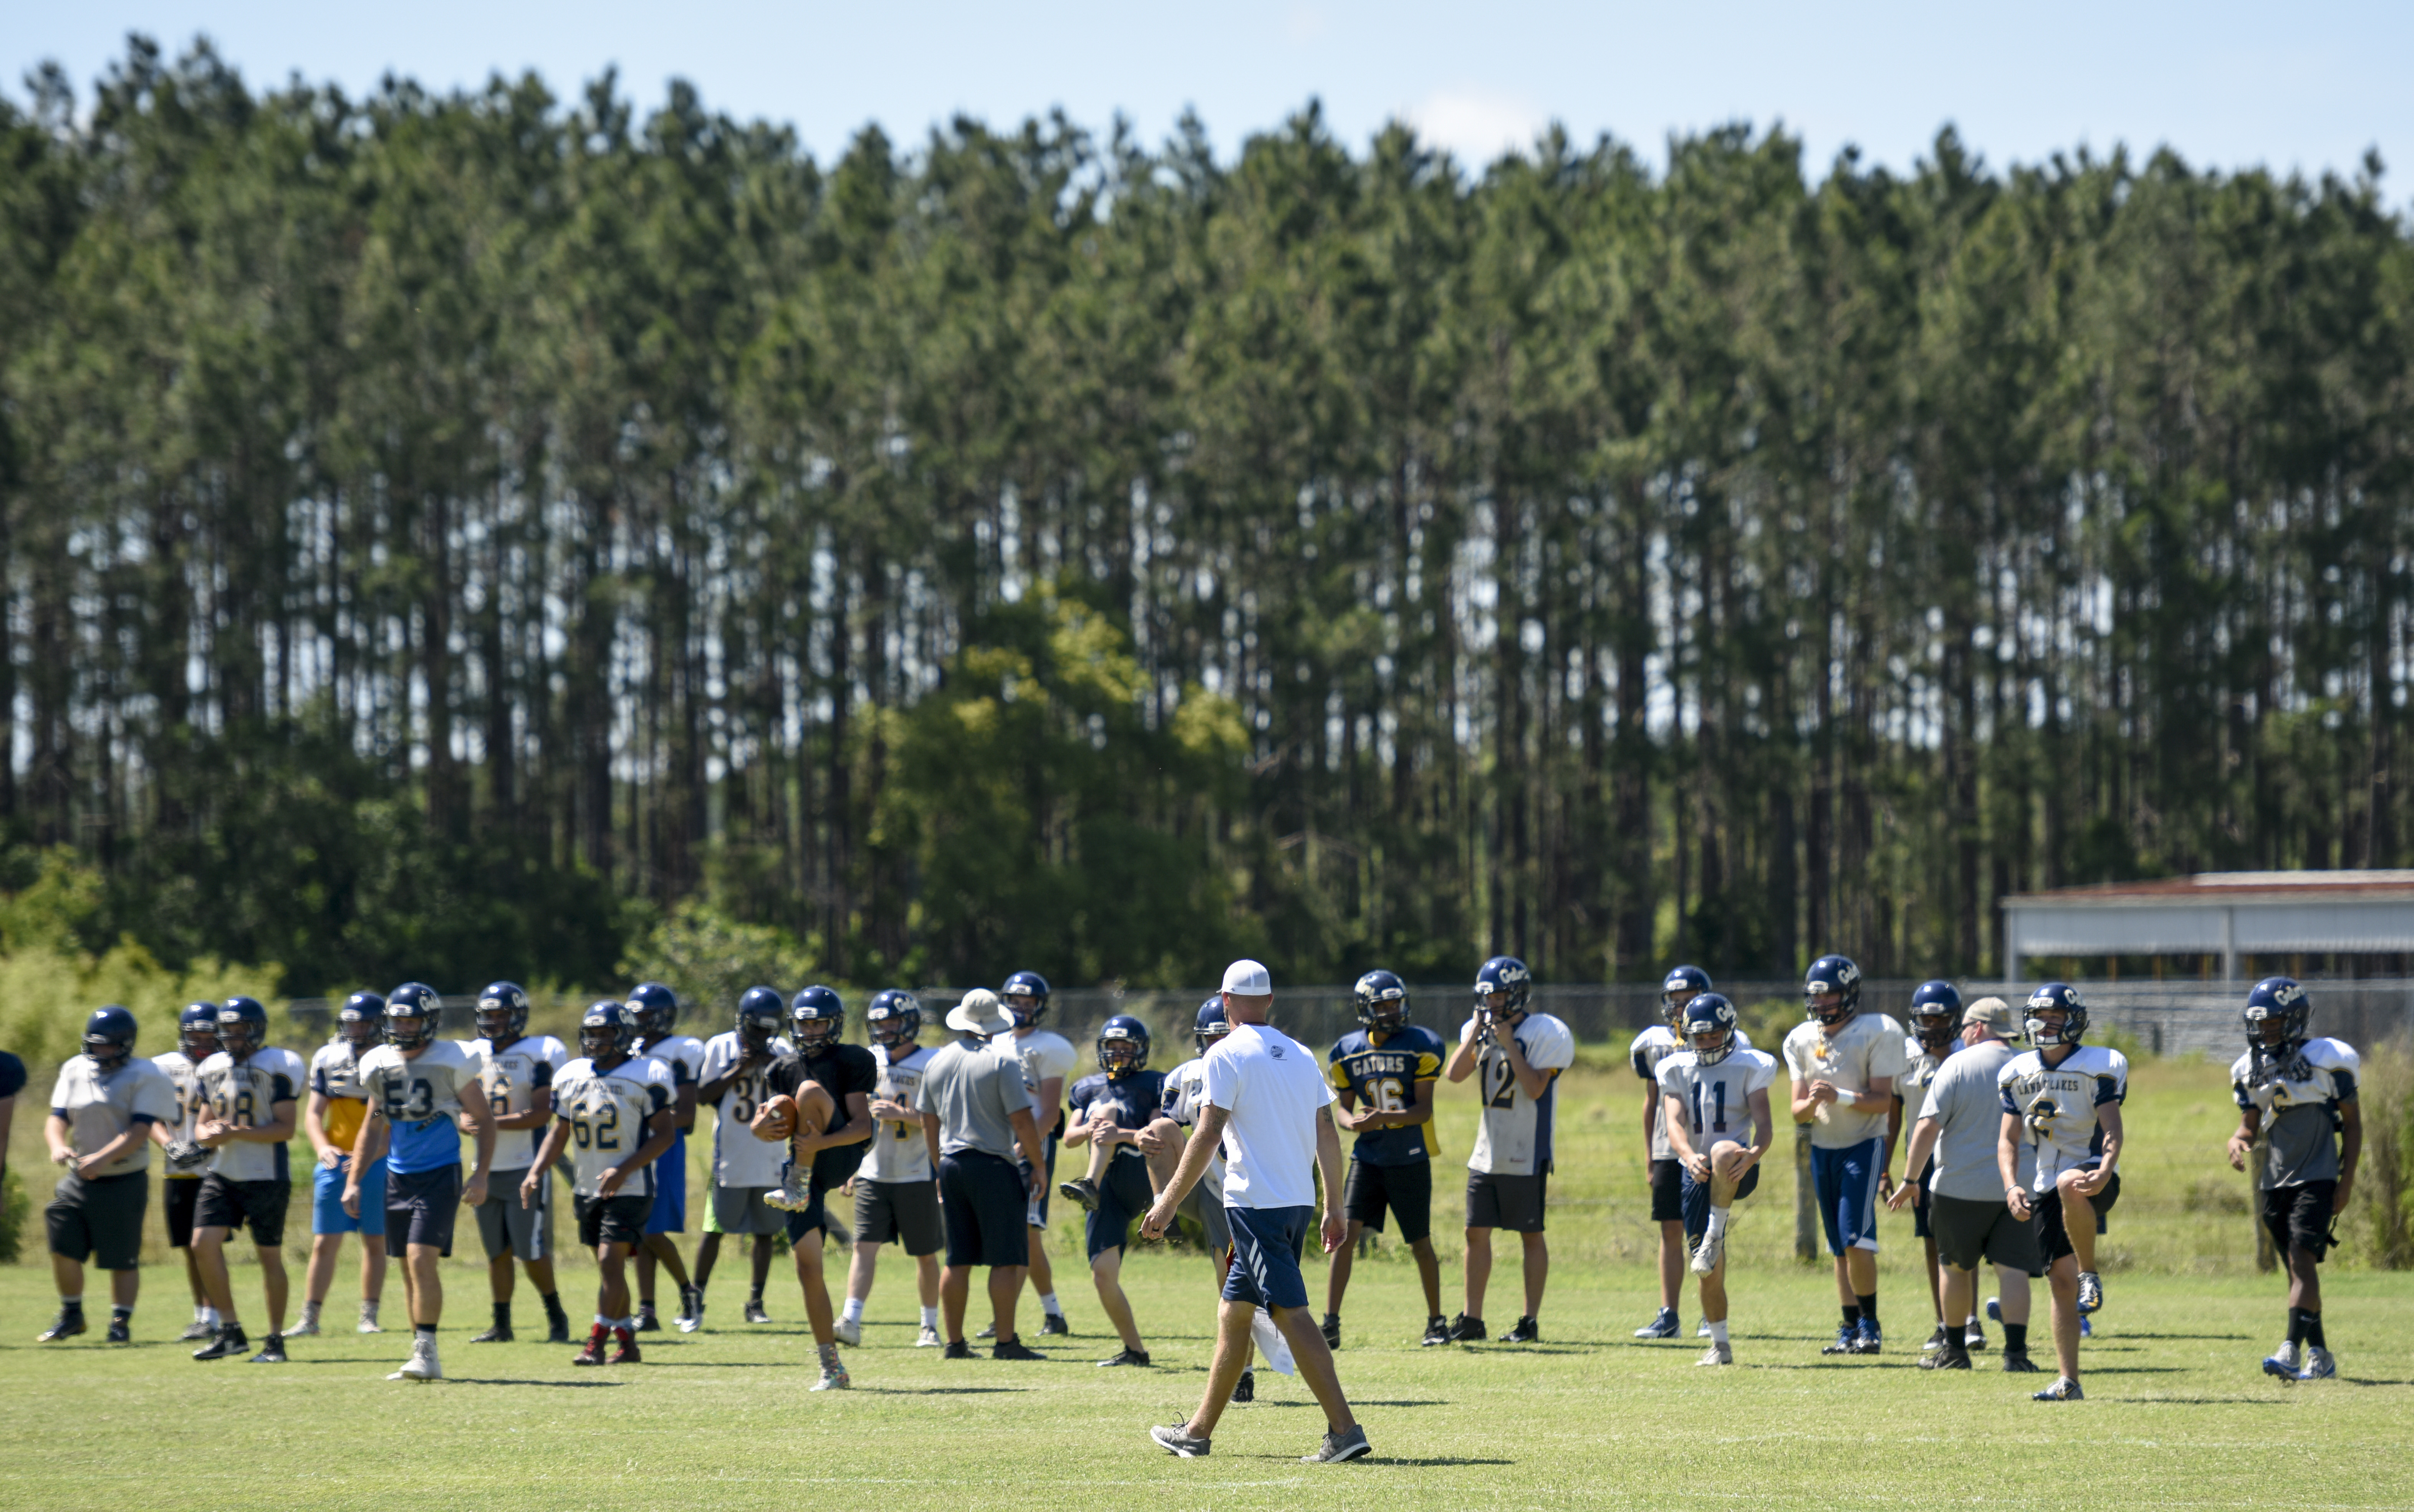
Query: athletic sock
x=1048, y=1303
x=602, y=1322
x=1851, y=1317
x=2314, y=1333
x=854, y=1311
x=200, y=1312
x=2298, y=1320
x=423, y=1330
x=72, y=1304
x=310, y=1312
x=368, y=1308
x=1718, y=1222
x=1719, y=1332
x=829, y=1357
x=120, y=1313
x=1869, y=1310
x=553, y=1307
x=2015, y=1339
x=502, y=1314
x=929, y=1317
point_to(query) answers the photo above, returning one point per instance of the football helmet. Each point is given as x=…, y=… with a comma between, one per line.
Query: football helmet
x=1211, y=1024
x=1382, y=1001
x=1503, y=974
x=816, y=1017
x=894, y=1018
x=2055, y=997
x=109, y=1037
x=1710, y=1027
x=1023, y=985
x=1123, y=1045
x=1690, y=981
x=361, y=1023
x=242, y=1027
x=1935, y=1015
x=502, y=1015
x=2277, y=1001
x=416, y=1004
x=655, y=1007
x=761, y=1015
x=607, y=1032
x=197, y=1031
x=1835, y=977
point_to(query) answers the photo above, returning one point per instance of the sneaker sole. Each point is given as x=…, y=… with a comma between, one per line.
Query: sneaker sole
x=1178, y=1450
x=1356, y=1451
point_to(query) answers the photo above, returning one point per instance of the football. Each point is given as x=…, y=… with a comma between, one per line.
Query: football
x=775, y=1121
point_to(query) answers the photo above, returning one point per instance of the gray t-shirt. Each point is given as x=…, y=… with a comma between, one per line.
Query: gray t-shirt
x=1963, y=1099
x=100, y=1106
x=975, y=1089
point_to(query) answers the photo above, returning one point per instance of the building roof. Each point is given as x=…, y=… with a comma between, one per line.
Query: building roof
x=2221, y=888
x=2222, y=912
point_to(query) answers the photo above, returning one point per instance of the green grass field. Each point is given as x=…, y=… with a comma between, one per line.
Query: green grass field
x=2178, y=1413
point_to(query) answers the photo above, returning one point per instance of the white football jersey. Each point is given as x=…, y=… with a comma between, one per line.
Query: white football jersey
x=899, y=1151
x=1718, y=1098
x=738, y=1158
x=1514, y=1137
x=181, y=1071
x=1866, y=1047
x=1185, y=1094
x=246, y=1096
x=2299, y=1099
x=511, y=1079
x=1651, y=1047
x=607, y=1112
x=2058, y=1105
x=1043, y=1053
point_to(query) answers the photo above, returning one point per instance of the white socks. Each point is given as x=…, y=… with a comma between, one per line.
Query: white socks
x=929, y=1317
x=1048, y=1303
x=1718, y=1221
x=853, y=1312
x=1719, y=1332
x=310, y=1312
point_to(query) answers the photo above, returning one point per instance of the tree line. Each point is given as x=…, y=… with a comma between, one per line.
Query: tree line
x=444, y=532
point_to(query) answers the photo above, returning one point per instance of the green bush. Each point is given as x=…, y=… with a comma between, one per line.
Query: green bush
x=710, y=958
x=15, y=1207
x=47, y=992
x=2384, y=1186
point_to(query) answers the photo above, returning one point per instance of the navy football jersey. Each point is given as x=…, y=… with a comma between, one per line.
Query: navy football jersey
x=1135, y=1097
x=1384, y=1077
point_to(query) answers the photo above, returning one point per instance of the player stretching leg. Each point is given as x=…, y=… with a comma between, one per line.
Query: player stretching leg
x=2300, y=1093
x=1708, y=1090
x=823, y=1158
x=2065, y=1097
x=1110, y=1109
x=1385, y=1075
x=618, y=1109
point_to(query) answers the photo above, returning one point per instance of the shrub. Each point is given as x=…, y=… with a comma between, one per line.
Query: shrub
x=15, y=1207
x=47, y=992
x=2384, y=1186
x=710, y=958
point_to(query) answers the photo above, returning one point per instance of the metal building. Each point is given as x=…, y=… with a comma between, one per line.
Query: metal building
x=2231, y=915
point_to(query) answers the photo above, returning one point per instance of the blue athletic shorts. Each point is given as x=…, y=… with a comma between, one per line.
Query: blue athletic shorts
x=1267, y=1243
x=670, y=1190
x=1694, y=1197
x=327, y=1215
x=1846, y=1183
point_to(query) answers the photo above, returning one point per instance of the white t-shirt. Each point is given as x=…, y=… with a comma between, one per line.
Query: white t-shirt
x=1870, y=1045
x=1043, y=1053
x=683, y=1055
x=1272, y=1086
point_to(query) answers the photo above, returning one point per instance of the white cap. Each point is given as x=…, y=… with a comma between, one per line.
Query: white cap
x=980, y=1013
x=1248, y=979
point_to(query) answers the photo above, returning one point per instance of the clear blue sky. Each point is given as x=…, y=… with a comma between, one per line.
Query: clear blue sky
x=2309, y=85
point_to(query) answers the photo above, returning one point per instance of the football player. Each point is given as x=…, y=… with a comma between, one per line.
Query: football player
x=1046, y=1059
x=736, y=1083
x=1109, y=1108
x=1935, y=1028
x=1385, y=1075
x=515, y=1072
x=2066, y=1097
x=820, y=1162
x=249, y=1090
x=421, y=1089
x=102, y=1111
x=197, y=1040
x=897, y=1190
x=2298, y=1092
x=331, y=1118
x=1185, y=1094
x=1655, y=1044
x=1709, y=1088
x=1517, y=1057
x=617, y=1107
x=657, y=1010
x=1844, y=1064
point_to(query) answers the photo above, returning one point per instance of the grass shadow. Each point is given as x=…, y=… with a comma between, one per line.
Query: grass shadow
x=936, y=1391
x=508, y=1380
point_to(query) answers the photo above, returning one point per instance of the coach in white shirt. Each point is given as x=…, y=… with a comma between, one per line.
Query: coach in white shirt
x=1270, y=1111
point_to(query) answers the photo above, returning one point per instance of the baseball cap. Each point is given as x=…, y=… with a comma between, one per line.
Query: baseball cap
x=1993, y=1012
x=1248, y=979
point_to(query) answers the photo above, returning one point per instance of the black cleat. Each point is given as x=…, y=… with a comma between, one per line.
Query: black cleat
x=1128, y=1357
x=228, y=1344
x=1013, y=1349
x=68, y=1324
x=754, y=1312
x=501, y=1334
x=593, y=1352
x=272, y=1351
x=646, y=1322
x=628, y=1353
x=557, y=1329
x=2017, y=1364
x=1437, y=1330
x=1466, y=1330
x=1246, y=1389
x=1949, y=1356
x=1333, y=1330
x=121, y=1331
x=1081, y=1190
x=1052, y=1326
x=959, y=1350
x=1528, y=1332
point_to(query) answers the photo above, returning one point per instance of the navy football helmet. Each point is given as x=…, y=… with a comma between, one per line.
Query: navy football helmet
x=109, y=1037
x=242, y=1027
x=1935, y=1015
x=1211, y=1024
x=361, y=1023
x=1503, y=974
x=762, y=1013
x=1123, y=1045
x=894, y=1018
x=1682, y=986
x=1382, y=1001
x=412, y=1013
x=655, y=1007
x=816, y=1017
x=1836, y=978
x=2060, y=998
x=1709, y=1027
x=607, y=1032
x=502, y=1015
x=197, y=1031
x=2276, y=1003
x=1026, y=996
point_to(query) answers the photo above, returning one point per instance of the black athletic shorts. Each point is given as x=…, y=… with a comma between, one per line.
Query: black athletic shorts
x=2299, y=1217
x=905, y=1211
x=2053, y=1239
x=1498, y=1201
x=1125, y=1197
x=814, y=1215
x=100, y=1217
x=258, y=1206
x=1405, y=1190
x=602, y=1221
x=1970, y=1230
x=1923, y=1220
x=179, y=1193
x=1667, y=1191
x=987, y=1209
x=420, y=1206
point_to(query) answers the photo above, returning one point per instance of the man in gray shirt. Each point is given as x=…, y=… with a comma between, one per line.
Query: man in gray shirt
x=1961, y=1121
x=984, y=1114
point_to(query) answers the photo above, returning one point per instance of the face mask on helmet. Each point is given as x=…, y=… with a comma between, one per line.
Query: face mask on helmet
x=1122, y=1046
x=2057, y=1016
x=362, y=1021
x=655, y=1008
x=196, y=1032
x=1683, y=985
x=816, y=1019
x=243, y=1029
x=1382, y=1002
x=1833, y=992
x=1709, y=1028
x=606, y=1033
x=109, y=1037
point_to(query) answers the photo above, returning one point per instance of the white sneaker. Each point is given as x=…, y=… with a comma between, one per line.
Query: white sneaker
x=1702, y=1330
x=831, y=1381
x=307, y=1328
x=929, y=1338
x=2282, y=1362
x=370, y=1325
x=1707, y=1254
x=1717, y=1354
x=849, y=1333
x=422, y=1366
x=794, y=1194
